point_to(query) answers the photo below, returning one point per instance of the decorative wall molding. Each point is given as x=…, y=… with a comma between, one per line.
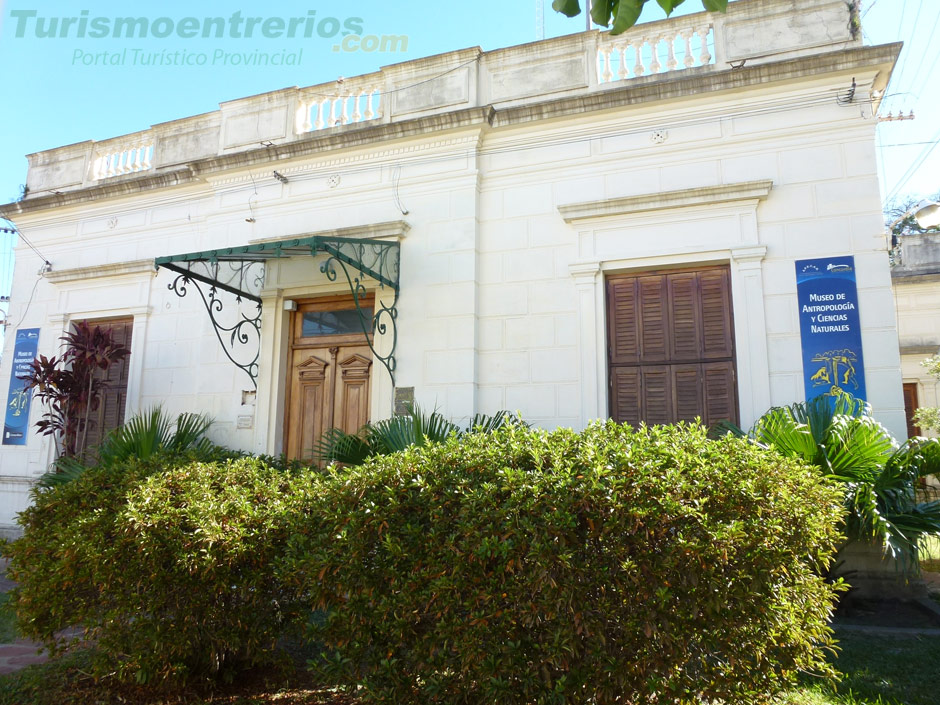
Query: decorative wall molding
x=684, y=198
x=102, y=271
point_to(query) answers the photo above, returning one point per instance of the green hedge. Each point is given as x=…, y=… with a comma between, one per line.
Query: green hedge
x=607, y=566
x=167, y=564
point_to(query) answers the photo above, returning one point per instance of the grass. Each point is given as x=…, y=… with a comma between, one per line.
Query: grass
x=879, y=670
x=7, y=620
x=930, y=555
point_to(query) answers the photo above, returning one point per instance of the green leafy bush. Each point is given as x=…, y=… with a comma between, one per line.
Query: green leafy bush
x=168, y=569
x=607, y=566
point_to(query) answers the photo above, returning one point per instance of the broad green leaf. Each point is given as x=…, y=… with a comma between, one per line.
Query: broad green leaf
x=669, y=5
x=601, y=11
x=569, y=8
x=627, y=13
x=715, y=5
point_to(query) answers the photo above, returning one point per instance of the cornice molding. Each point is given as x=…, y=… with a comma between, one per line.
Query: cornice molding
x=746, y=191
x=102, y=271
x=696, y=82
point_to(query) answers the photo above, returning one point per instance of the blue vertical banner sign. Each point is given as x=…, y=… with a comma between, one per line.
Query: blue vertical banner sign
x=16, y=423
x=829, y=327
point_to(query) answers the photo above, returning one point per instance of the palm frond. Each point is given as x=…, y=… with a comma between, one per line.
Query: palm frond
x=338, y=446
x=65, y=470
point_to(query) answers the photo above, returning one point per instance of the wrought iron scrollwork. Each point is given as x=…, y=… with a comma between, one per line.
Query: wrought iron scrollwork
x=238, y=330
x=380, y=261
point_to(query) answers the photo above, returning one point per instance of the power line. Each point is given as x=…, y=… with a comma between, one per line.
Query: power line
x=14, y=231
x=910, y=47
x=933, y=62
x=915, y=165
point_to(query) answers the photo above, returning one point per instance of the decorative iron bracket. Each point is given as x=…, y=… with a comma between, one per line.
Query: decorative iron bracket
x=240, y=336
x=380, y=261
x=240, y=271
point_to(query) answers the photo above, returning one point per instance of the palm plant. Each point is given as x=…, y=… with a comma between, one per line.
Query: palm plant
x=415, y=428
x=140, y=437
x=883, y=501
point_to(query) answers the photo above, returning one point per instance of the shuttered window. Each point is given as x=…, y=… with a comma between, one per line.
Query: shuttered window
x=910, y=406
x=671, y=347
x=110, y=412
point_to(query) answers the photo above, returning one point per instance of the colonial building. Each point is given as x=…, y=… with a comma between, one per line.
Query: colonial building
x=579, y=228
x=916, y=280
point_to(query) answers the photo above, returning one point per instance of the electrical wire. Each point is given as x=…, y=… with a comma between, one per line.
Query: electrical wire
x=933, y=62
x=14, y=230
x=30, y=302
x=909, y=48
x=915, y=165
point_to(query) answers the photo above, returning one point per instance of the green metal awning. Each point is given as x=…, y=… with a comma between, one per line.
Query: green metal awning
x=239, y=271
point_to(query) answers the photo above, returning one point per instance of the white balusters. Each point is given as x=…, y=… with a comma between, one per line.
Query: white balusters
x=343, y=107
x=654, y=55
x=638, y=69
x=688, y=60
x=608, y=75
x=704, y=57
x=117, y=158
x=647, y=58
x=671, y=63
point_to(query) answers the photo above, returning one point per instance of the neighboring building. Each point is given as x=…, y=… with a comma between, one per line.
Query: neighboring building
x=559, y=230
x=916, y=281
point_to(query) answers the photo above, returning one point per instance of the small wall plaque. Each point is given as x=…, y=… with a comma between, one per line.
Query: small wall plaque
x=404, y=398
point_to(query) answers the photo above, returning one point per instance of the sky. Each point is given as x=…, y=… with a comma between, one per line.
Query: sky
x=61, y=90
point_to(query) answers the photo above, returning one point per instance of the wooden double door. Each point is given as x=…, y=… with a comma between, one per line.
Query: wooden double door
x=330, y=373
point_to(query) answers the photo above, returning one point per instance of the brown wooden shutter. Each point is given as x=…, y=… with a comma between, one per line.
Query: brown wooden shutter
x=910, y=406
x=718, y=336
x=653, y=314
x=110, y=412
x=622, y=320
x=671, y=346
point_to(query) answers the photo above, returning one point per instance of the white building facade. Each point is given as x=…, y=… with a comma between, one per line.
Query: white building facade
x=539, y=209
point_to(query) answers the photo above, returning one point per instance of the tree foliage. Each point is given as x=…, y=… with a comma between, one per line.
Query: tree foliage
x=621, y=15
x=902, y=223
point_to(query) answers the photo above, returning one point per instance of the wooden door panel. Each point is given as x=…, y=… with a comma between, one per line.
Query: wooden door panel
x=309, y=417
x=352, y=389
x=329, y=386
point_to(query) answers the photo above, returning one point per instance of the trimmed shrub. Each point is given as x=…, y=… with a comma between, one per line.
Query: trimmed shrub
x=168, y=569
x=607, y=566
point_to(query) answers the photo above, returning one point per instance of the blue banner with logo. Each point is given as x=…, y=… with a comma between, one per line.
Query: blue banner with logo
x=829, y=327
x=16, y=424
